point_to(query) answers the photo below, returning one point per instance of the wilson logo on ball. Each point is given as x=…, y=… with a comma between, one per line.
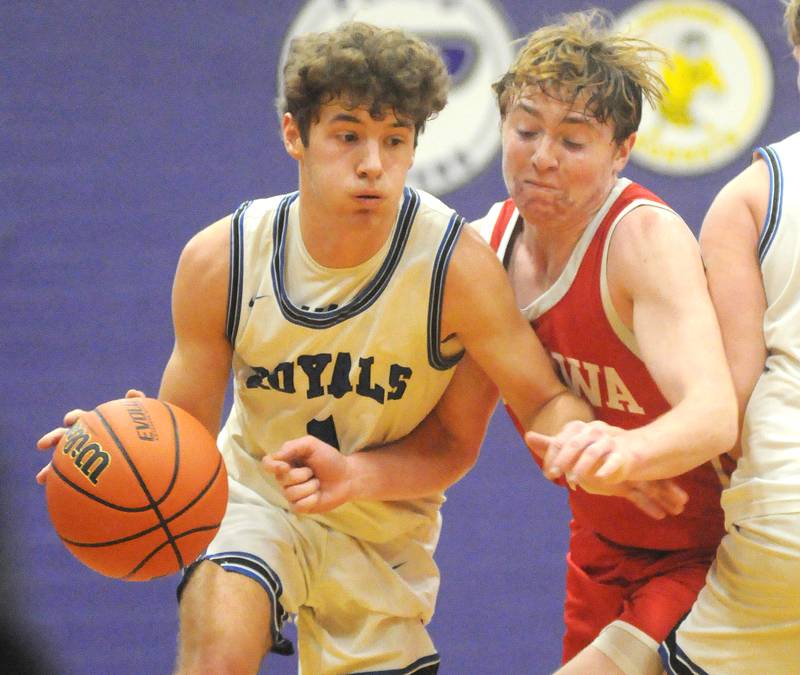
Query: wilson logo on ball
x=89, y=458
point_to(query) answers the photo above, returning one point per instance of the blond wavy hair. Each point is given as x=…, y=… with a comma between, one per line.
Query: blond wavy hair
x=791, y=19
x=380, y=69
x=582, y=54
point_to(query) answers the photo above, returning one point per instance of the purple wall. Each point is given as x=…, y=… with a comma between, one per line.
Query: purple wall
x=126, y=128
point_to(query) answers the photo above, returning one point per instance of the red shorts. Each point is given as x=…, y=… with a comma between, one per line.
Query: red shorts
x=648, y=589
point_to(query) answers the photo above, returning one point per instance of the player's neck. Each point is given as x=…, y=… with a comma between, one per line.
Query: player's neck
x=341, y=242
x=550, y=247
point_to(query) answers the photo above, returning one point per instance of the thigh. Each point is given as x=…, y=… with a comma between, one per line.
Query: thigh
x=263, y=545
x=665, y=591
x=209, y=640
x=589, y=606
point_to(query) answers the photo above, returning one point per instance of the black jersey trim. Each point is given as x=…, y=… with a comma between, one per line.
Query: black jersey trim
x=674, y=659
x=236, y=273
x=427, y=665
x=367, y=295
x=773, y=217
x=440, y=265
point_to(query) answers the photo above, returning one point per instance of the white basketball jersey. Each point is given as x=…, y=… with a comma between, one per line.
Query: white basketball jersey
x=355, y=366
x=767, y=478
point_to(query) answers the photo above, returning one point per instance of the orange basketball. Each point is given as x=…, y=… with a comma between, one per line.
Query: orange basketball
x=137, y=488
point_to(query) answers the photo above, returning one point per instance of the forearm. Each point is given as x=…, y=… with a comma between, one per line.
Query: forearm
x=438, y=452
x=424, y=463
x=681, y=439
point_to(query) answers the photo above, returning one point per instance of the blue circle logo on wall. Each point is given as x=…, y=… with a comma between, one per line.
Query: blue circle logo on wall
x=474, y=39
x=719, y=85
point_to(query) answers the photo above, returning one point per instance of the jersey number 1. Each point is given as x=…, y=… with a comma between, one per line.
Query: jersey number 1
x=324, y=430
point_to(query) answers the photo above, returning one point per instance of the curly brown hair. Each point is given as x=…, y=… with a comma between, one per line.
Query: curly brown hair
x=581, y=54
x=381, y=69
x=791, y=19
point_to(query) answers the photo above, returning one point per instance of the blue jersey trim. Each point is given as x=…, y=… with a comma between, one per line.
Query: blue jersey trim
x=236, y=273
x=774, y=207
x=440, y=265
x=255, y=568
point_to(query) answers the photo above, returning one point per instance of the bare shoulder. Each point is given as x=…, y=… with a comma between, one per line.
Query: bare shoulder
x=476, y=282
x=201, y=279
x=649, y=231
x=207, y=250
x=740, y=207
x=209, y=245
x=474, y=263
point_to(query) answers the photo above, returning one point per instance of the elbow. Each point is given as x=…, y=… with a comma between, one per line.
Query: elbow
x=461, y=458
x=725, y=425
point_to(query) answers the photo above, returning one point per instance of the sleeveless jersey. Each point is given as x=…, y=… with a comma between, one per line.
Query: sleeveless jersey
x=767, y=477
x=358, y=374
x=598, y=357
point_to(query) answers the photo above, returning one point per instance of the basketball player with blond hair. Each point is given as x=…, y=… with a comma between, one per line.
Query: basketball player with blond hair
x=611, y=279
x=747, y=618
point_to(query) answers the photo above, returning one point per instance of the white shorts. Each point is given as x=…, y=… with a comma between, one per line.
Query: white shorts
x=747, y=617
x=359, y=606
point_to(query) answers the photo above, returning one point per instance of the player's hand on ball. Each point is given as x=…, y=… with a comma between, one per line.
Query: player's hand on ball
x=314, y=476
x=51, y=438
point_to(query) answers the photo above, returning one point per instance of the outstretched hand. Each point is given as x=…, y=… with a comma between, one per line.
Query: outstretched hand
x=597, y=469
x=52, y=437
x=583, y=451
x=313, y=475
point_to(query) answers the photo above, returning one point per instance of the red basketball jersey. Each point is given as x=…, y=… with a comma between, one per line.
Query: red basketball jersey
x=596, y=358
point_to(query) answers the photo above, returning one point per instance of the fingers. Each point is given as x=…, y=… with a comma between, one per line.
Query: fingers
x=41, y=477
x=297, y=451
x=666, y=493
x=576, y=449
x=299, y=484
x=302, y=495
x=309, y=504
x=647, y=505
x=595, y=452
x=537, y=443
x=134, y=393
x=277, y=468
x=50, y=439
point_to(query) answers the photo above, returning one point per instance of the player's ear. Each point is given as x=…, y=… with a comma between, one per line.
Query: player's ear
x=623, y=152
x=292, y=139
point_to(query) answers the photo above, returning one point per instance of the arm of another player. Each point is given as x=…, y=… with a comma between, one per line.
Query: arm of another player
x=658, y=286
x=479, y=307
x=494, y=331
x=196, y=374
x=729, y=241
x=316, y=477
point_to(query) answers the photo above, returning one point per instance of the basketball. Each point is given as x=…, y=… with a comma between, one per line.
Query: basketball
x=137, y=488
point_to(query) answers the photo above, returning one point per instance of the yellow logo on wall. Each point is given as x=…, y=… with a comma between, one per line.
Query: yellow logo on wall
x=719, y=85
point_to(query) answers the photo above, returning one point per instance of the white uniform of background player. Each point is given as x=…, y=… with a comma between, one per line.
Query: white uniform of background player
x=747, y=618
